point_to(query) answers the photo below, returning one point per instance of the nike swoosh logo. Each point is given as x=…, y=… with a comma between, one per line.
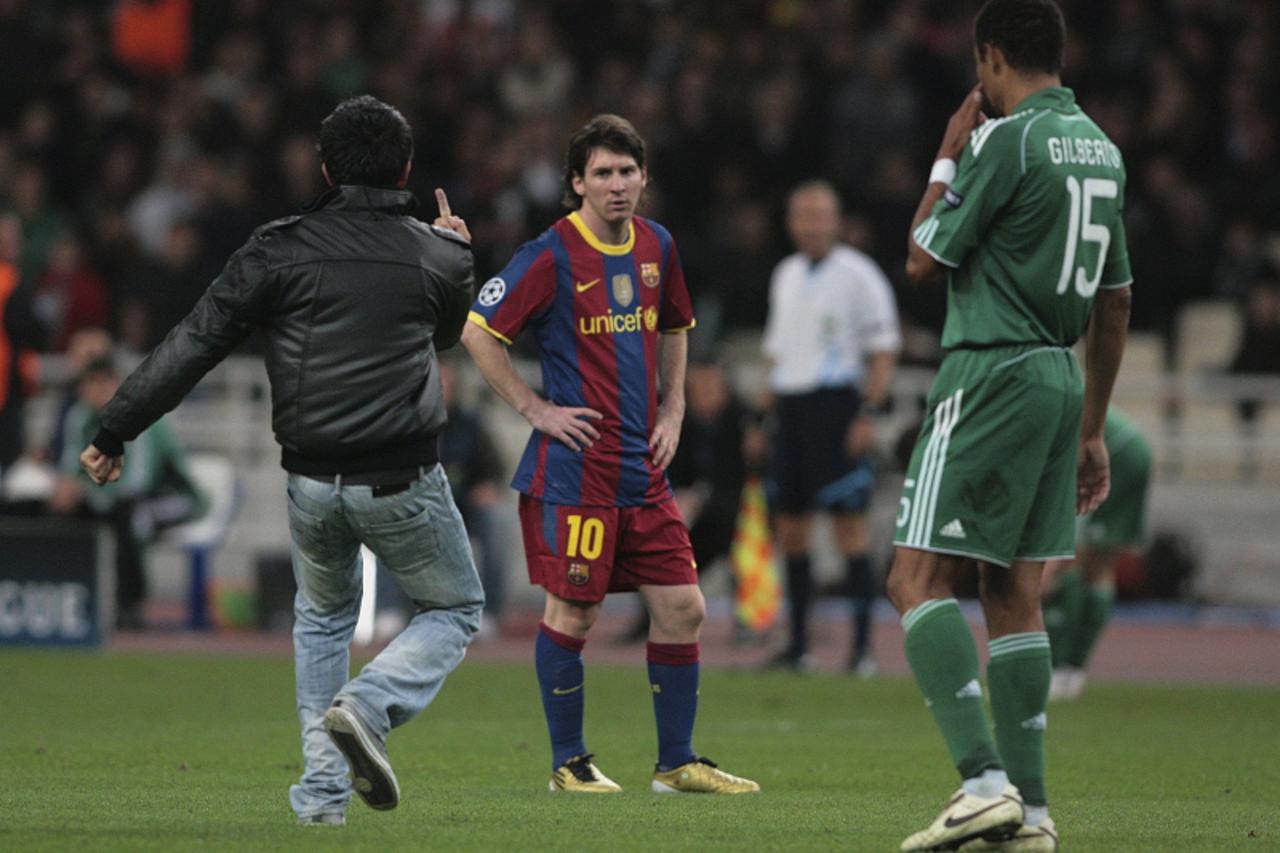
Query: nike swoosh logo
x=952, y=823
x=566, y=691
x=588, y=285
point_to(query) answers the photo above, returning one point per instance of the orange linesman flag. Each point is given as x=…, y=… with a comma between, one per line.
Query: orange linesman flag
x=758, y=595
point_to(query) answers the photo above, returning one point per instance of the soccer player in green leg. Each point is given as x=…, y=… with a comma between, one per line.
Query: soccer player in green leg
x=1078, y=605
x=1022, y=219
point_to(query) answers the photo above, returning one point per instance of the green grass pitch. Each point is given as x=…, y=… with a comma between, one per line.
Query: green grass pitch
x=158, y=752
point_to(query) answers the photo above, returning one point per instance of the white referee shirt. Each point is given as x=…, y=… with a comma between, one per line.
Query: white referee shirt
x=825, y=318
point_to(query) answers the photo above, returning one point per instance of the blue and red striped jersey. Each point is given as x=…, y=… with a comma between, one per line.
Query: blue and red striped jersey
x=596, y=311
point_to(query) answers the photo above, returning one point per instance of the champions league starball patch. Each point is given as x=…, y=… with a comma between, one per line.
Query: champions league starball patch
x=492, y=292
x=953, y=198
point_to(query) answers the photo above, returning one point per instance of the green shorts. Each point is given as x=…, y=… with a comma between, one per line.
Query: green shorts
x=1121, y=520
x=993, y=474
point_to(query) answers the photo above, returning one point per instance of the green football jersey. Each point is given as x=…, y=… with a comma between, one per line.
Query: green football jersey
x=1031, y=227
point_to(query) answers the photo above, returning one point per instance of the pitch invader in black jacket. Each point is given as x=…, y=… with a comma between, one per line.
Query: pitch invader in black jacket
x=354, y=297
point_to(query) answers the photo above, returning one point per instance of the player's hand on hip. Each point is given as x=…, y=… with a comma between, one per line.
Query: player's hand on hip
x=568, y=424
x=665, y=437
x=961, y=124
x=100, y=467
x=1093, y=475
x=446, y=219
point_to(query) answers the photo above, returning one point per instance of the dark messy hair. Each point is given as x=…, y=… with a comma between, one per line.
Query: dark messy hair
x=604, y=131
x=1030, y=33
x=364, y=141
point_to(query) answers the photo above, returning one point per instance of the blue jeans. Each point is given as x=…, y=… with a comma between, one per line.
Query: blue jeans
x=418, y=536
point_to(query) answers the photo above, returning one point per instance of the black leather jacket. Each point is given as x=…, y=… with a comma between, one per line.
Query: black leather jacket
x=355, y=297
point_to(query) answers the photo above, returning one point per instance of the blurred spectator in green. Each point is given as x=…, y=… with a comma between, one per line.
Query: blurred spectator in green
x=156, y=491
x=41, y=220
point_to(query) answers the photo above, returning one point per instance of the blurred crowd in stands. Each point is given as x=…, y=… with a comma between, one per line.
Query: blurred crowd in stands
x=141, y=141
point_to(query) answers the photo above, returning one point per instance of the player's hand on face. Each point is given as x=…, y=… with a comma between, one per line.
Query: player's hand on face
x=1093, y=475
x=568, y=424
x=962, y=123
x=446, y=219
x=100, y=467
x=666, y=437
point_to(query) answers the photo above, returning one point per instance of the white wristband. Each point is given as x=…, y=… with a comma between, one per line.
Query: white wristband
x=943, y=171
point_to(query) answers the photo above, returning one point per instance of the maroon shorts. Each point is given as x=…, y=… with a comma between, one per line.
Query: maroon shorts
x=580, y=553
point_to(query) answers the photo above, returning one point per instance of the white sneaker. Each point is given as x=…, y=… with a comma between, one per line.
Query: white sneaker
x=1028, y=839
x=866, y=667
x=1061, y=684
x=323, y=819
x=366, y=754
x=967, y=817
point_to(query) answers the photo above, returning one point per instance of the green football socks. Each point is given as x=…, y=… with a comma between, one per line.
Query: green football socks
x=1018, y=676
x=1062, y=615
x=944, y=660
x=1075, y=616
x=1094, y=614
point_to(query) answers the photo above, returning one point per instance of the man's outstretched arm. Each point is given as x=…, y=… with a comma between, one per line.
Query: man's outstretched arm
x=225, y=315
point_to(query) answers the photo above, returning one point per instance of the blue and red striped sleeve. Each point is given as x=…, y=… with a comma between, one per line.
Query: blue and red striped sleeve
x=523, y=290
x=676, y=311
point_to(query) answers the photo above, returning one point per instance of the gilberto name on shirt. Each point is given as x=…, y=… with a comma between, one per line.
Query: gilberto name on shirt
x=1091, y=152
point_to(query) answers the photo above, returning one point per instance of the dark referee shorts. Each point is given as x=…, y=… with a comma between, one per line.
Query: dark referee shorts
x=811, y=470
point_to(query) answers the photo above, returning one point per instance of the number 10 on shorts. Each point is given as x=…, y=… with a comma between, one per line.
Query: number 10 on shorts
x=586, y=537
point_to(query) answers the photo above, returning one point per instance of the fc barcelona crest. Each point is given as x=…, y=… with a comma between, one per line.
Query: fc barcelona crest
x=624, y=292
x=649, y=274
x=579, y=574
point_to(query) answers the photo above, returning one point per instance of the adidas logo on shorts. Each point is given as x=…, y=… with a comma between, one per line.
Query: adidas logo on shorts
x=953, y=528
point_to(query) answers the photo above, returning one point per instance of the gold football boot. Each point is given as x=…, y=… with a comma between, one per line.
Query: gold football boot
x=578, y=775
x=701, y=776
